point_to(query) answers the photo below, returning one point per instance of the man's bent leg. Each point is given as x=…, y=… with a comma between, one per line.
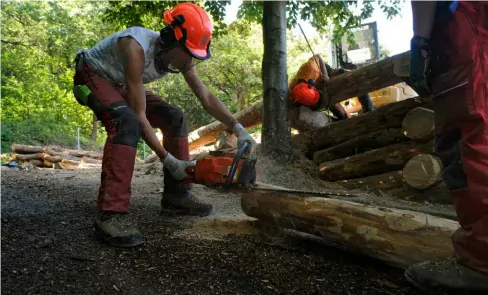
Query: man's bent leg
x=171, y=120
x=123, y=133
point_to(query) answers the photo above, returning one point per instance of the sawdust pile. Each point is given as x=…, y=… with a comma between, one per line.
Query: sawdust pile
x=302, y=174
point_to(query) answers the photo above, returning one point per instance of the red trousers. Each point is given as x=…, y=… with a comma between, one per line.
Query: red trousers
x=460, y=78
x=109, y=102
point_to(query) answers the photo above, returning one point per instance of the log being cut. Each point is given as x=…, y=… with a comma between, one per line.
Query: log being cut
x=397, y=237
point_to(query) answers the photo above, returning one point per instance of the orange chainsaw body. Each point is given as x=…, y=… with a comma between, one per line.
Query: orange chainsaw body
x=214, y=170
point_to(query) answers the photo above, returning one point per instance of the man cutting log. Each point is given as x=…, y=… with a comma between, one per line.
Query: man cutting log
x=110, y=79
x=449, y=60
x=308, y=88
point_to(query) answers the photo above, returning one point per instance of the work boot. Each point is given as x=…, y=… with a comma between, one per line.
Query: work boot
x=446, y=277
x=184, y=203
x=115, y=229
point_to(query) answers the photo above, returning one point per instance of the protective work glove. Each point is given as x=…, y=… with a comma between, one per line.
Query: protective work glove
x=243, y=137
x=176, y=167
x=420, y=54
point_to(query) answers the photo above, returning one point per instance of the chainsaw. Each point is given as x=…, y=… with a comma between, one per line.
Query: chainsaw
x=225, y=170
x=236, y=171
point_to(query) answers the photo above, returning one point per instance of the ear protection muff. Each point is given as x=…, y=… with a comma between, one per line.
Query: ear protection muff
x=167, y=36
x=310, y=82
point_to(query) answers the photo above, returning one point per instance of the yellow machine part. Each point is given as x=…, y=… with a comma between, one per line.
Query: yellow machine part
x=381, y=97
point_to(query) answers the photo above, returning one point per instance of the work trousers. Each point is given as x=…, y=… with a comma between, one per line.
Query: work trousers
x=460, y=80
x=109, y=102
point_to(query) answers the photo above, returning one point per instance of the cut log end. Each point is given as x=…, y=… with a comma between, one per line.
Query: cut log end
x=423, y=171
x=419, y=124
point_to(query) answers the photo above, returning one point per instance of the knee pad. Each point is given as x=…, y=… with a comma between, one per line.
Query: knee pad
x=177, y=122
x=127, y=126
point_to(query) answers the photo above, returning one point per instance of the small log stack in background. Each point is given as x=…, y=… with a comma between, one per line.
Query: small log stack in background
x=50, y=156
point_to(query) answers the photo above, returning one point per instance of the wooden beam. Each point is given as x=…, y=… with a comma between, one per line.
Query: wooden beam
x=386, y=159
x=390, y=116
x=366, y=79
x=397, y=237
x=360, y=144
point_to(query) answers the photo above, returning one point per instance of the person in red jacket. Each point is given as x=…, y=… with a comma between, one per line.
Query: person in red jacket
x=110, y=79
x=449, y=61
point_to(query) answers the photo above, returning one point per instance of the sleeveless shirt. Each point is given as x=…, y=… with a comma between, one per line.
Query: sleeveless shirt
x=104, y=60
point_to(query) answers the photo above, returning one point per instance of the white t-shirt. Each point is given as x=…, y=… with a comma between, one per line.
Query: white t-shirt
x=104, y=60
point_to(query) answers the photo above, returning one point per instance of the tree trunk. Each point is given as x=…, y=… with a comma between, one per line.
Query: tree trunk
x=389, y=158
x=383, y=182
x=249, y=118
x=366, y=79
x=276, y=136
x=94, y=130
x=360, y=144
x=419, y=124
x=241, y=102
x=423, y=171
x=397, y=237
x=390, y=116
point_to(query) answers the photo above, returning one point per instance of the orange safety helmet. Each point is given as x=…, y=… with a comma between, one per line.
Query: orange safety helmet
x=305, y=93
x=192, y=28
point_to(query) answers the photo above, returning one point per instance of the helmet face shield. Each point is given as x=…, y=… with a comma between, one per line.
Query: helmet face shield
x=192, y=28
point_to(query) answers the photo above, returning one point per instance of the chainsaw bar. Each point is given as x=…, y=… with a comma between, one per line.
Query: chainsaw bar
x=324, y=194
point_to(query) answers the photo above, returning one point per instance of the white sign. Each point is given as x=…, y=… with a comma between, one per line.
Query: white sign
x=359, y=55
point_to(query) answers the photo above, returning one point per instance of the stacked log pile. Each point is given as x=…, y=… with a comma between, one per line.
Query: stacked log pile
x=56, y=157
x=382, y=74
x=389, y=148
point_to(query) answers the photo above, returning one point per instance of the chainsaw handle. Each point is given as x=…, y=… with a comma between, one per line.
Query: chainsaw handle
x=233, y=167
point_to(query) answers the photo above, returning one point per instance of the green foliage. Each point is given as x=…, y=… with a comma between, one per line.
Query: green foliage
x=342, y=15
x=148, y=14
x=39, y=43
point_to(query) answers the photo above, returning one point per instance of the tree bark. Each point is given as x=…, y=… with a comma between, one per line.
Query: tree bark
x=26, y=157
x=25, y=149
x=390, y=158
x=94, y=130
x=360, y=144
x=249, y=118
x=419, y=124
x=390, y=116
x=363, y=80
x=397, y=237
x=423, y=171
x=74, y=153
x=276, y=136
x=60, y=155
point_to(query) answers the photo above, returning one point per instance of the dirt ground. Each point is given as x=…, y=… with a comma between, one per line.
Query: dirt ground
x=48, y=248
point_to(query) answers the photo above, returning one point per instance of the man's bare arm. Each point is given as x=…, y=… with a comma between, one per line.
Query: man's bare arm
x=423, y=17
x=133, y=58
x=210, y=102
